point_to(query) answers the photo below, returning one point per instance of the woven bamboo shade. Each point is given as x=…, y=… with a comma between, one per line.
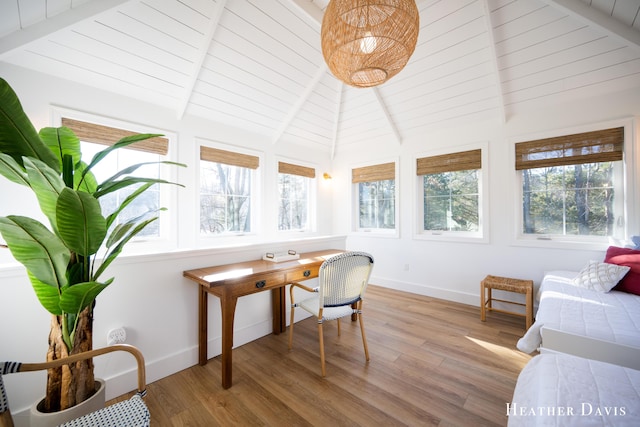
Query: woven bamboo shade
x=105, y=135
x=605, y=145
x=292, y=169
x=465, y=160
x=366, y=42
x=374, y=173
x=229, y=157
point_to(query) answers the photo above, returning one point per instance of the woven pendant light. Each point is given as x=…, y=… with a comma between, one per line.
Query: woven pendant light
x=366, y=42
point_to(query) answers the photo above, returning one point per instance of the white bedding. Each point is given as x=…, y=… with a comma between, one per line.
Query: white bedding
x=565, y=390
x=612, y=316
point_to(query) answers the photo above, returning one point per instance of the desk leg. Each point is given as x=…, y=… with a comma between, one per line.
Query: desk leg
x=202, y=325
x=278, y=307
x=228, y=307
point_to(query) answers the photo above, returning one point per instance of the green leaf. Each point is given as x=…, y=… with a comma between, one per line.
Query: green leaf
x=42, y=253
x=80, y=222
x=113, y=254
x=110, y=187
x=62, y=141
x=11, y=170
x=84, y=181
x=18, y=137
x=121, y=230
x=49, y=296
x=76, y=298
x=112, y=217
x=46, y=184
x=133, y=168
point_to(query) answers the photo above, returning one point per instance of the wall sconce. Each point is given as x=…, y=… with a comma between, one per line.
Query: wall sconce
x=326, y=176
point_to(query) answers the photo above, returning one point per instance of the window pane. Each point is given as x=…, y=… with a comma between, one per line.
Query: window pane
x=117, y=160
x=225, y=198
x=569, y=200
x=451, y=201
x=293, y=191
x=377, y=204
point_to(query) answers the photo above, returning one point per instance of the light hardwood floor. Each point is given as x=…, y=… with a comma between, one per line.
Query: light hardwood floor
x=433, y=362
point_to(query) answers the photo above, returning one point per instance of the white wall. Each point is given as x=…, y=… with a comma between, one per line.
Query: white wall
x=159, y=307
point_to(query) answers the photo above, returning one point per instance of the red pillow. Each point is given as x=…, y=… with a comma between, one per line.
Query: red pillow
x=631, y=258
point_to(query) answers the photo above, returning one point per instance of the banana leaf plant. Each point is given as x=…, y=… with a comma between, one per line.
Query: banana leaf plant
x=65, y=262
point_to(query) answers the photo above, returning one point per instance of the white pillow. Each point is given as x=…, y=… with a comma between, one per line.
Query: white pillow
x=600, y=276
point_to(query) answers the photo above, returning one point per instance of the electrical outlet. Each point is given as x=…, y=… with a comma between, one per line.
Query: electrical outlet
x=116, y=336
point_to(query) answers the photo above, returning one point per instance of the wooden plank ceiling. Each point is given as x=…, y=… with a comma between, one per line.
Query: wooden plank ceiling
x=257, y=64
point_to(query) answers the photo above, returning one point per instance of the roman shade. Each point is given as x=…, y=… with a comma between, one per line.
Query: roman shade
x=229, y=157
x=292, y=169
x=464, y=160
x=590, y=147
x=105, y=135
x=373, y=173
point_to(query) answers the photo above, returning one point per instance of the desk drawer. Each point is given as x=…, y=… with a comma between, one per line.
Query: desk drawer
x=307, y=273
x=261, y=283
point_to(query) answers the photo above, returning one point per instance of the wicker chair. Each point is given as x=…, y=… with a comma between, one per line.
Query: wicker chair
x=342, y=280
x=131, y=412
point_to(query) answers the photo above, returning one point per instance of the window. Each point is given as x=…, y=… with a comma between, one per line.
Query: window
x=450, y=194
x=226, y=183
x=94, y=138
x=376, y=197
x=572, y=186
x=294, y=190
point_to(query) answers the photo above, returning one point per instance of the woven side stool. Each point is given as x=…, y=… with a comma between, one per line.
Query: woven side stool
x=510, y=285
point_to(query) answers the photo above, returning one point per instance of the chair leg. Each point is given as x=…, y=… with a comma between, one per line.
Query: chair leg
x=364, y=337
x=321, y=339
x=291, y=329
x=338, y=320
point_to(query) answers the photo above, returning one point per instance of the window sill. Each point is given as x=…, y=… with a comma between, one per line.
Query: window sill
x=451, y=237
x=559, y=243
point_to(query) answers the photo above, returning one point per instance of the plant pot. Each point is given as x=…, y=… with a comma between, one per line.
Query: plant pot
x=92, y=404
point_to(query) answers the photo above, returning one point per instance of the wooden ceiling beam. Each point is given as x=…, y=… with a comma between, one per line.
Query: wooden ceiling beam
x=589, y=14
x=207, y=39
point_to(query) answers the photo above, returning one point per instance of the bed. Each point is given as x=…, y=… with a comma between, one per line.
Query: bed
x=566, y=390
x=597, y=325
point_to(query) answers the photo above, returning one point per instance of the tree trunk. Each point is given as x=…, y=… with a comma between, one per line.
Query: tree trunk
x=74, y=383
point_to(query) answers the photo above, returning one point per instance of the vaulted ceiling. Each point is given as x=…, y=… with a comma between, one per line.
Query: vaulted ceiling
x=258, y=65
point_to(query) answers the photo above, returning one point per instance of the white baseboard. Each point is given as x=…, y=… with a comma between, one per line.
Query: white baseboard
x=430, y=291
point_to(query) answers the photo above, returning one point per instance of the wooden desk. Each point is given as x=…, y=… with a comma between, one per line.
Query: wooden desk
x=228, y=282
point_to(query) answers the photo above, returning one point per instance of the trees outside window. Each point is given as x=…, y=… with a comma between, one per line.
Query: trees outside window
x=451, y=201
x=226, y=191
x=377, y=204
x=293, y=209
x=572, y=185
x=376, y=191
x=450, y=187
x=225, y=198
x=569, y=200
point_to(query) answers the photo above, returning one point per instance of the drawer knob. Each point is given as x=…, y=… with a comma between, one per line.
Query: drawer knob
x=261, y=284
x=307, y=273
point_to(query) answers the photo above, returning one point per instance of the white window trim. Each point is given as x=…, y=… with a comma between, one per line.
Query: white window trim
x=481, y=236
x=374, y=232
x=168, y=239
x=257, y=189
x=312, y=202
x=630, y=209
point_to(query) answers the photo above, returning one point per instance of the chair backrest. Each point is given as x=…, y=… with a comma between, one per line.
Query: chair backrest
x=343, y=278
x=15, y=367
